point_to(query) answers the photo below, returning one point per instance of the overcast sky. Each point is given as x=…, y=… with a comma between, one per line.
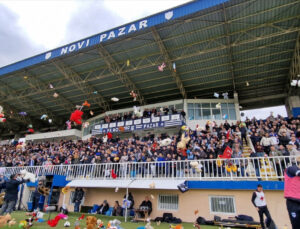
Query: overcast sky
x=29, y=27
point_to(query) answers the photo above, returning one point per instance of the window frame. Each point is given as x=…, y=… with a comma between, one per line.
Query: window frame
x=160, y=208
x=220, y=212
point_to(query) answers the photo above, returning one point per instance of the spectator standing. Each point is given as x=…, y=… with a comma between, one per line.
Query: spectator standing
x=259, y=202
x=11, y=193
x=78, y=196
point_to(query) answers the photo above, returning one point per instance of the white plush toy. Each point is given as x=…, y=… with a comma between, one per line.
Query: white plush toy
x=137, y=111
x=165, y=142
x=28, y=176
x=67, y=224
x=148, y=225
x=195, y=165
x=116, y=222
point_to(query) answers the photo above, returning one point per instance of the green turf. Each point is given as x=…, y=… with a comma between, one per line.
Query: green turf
x=20, y=215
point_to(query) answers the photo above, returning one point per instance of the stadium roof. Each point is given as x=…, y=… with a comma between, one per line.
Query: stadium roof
x=217, y=45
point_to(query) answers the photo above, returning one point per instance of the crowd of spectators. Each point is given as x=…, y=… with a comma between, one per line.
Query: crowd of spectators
x=147, y=113
x=273, y=137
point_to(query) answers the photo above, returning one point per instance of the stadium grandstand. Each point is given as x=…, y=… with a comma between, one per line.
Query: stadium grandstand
x=161, y=101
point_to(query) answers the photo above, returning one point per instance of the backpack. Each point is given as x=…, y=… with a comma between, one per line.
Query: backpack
x=157, y=219
x=200, y=220
x=244, y=218
x=167, y=217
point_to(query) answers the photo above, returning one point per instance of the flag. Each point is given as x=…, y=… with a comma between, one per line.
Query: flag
x=227, y=153
x=228, y=134
x=113, y=175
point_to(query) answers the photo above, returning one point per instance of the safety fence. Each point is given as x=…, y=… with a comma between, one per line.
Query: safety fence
x=265, y=168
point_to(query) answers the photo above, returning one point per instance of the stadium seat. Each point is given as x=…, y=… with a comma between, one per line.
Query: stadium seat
x=109, y=212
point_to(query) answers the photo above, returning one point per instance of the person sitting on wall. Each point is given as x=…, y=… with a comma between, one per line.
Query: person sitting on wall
x=103, y=208
x=117, y=211
x=146, y=205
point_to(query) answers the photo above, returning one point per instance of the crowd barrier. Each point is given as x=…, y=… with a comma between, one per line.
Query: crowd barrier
x=266, y=168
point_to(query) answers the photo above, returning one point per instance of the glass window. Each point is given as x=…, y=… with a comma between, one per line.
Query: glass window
x=232, y=115
x=206, y=114
x=197, y=105
x=231, y=105
x=222, y=204
x=168, y=202
x=179, y=106
x=224, y=105
x=213, y=105
x=198, y=114
x=191, y=114
x=190, y=105
x=216, y=114
x=224, y=113
x=205, y=105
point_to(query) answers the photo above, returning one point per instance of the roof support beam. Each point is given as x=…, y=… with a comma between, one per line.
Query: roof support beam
x=114, y=67
x=294, y=72
x=36, y=107
x=27, y=92
x=229, y=47
x=168, y=62
x=11, y=113
x=76, y=80
x=258, y=99
x=40, y=86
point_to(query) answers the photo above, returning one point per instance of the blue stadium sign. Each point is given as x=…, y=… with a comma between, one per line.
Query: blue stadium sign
x=139, y=124
x=124, y=30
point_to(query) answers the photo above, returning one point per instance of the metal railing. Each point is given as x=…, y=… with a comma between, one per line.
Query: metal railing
x=265, y=168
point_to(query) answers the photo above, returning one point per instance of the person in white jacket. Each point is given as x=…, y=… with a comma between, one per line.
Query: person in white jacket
x=266, y=142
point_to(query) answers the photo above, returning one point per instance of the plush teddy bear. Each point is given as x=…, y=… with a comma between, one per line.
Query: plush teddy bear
x=44, y=190
x=183, y=142
x=148, y=225
x=28, y=176
x=165, y=142
x=91, y=222
x=100, y=224
x=12, y=222
x=2, y=197
x=195, y=165
x=4, y=220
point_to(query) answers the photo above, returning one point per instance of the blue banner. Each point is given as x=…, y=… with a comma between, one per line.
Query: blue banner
x=139, y=124
x=124, y=30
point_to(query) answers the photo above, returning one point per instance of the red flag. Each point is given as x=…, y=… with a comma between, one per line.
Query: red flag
x=109, y=135
x=113, y=175
x=227, y=153
x=228, y=134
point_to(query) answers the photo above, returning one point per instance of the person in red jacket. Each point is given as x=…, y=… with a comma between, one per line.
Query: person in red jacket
x=292, y=193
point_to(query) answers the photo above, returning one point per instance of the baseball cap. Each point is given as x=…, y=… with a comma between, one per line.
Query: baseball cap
x=259, y=185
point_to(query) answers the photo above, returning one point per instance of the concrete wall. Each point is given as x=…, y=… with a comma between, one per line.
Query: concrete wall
x=194, y=200
x=292, y=102
x=72, y=134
